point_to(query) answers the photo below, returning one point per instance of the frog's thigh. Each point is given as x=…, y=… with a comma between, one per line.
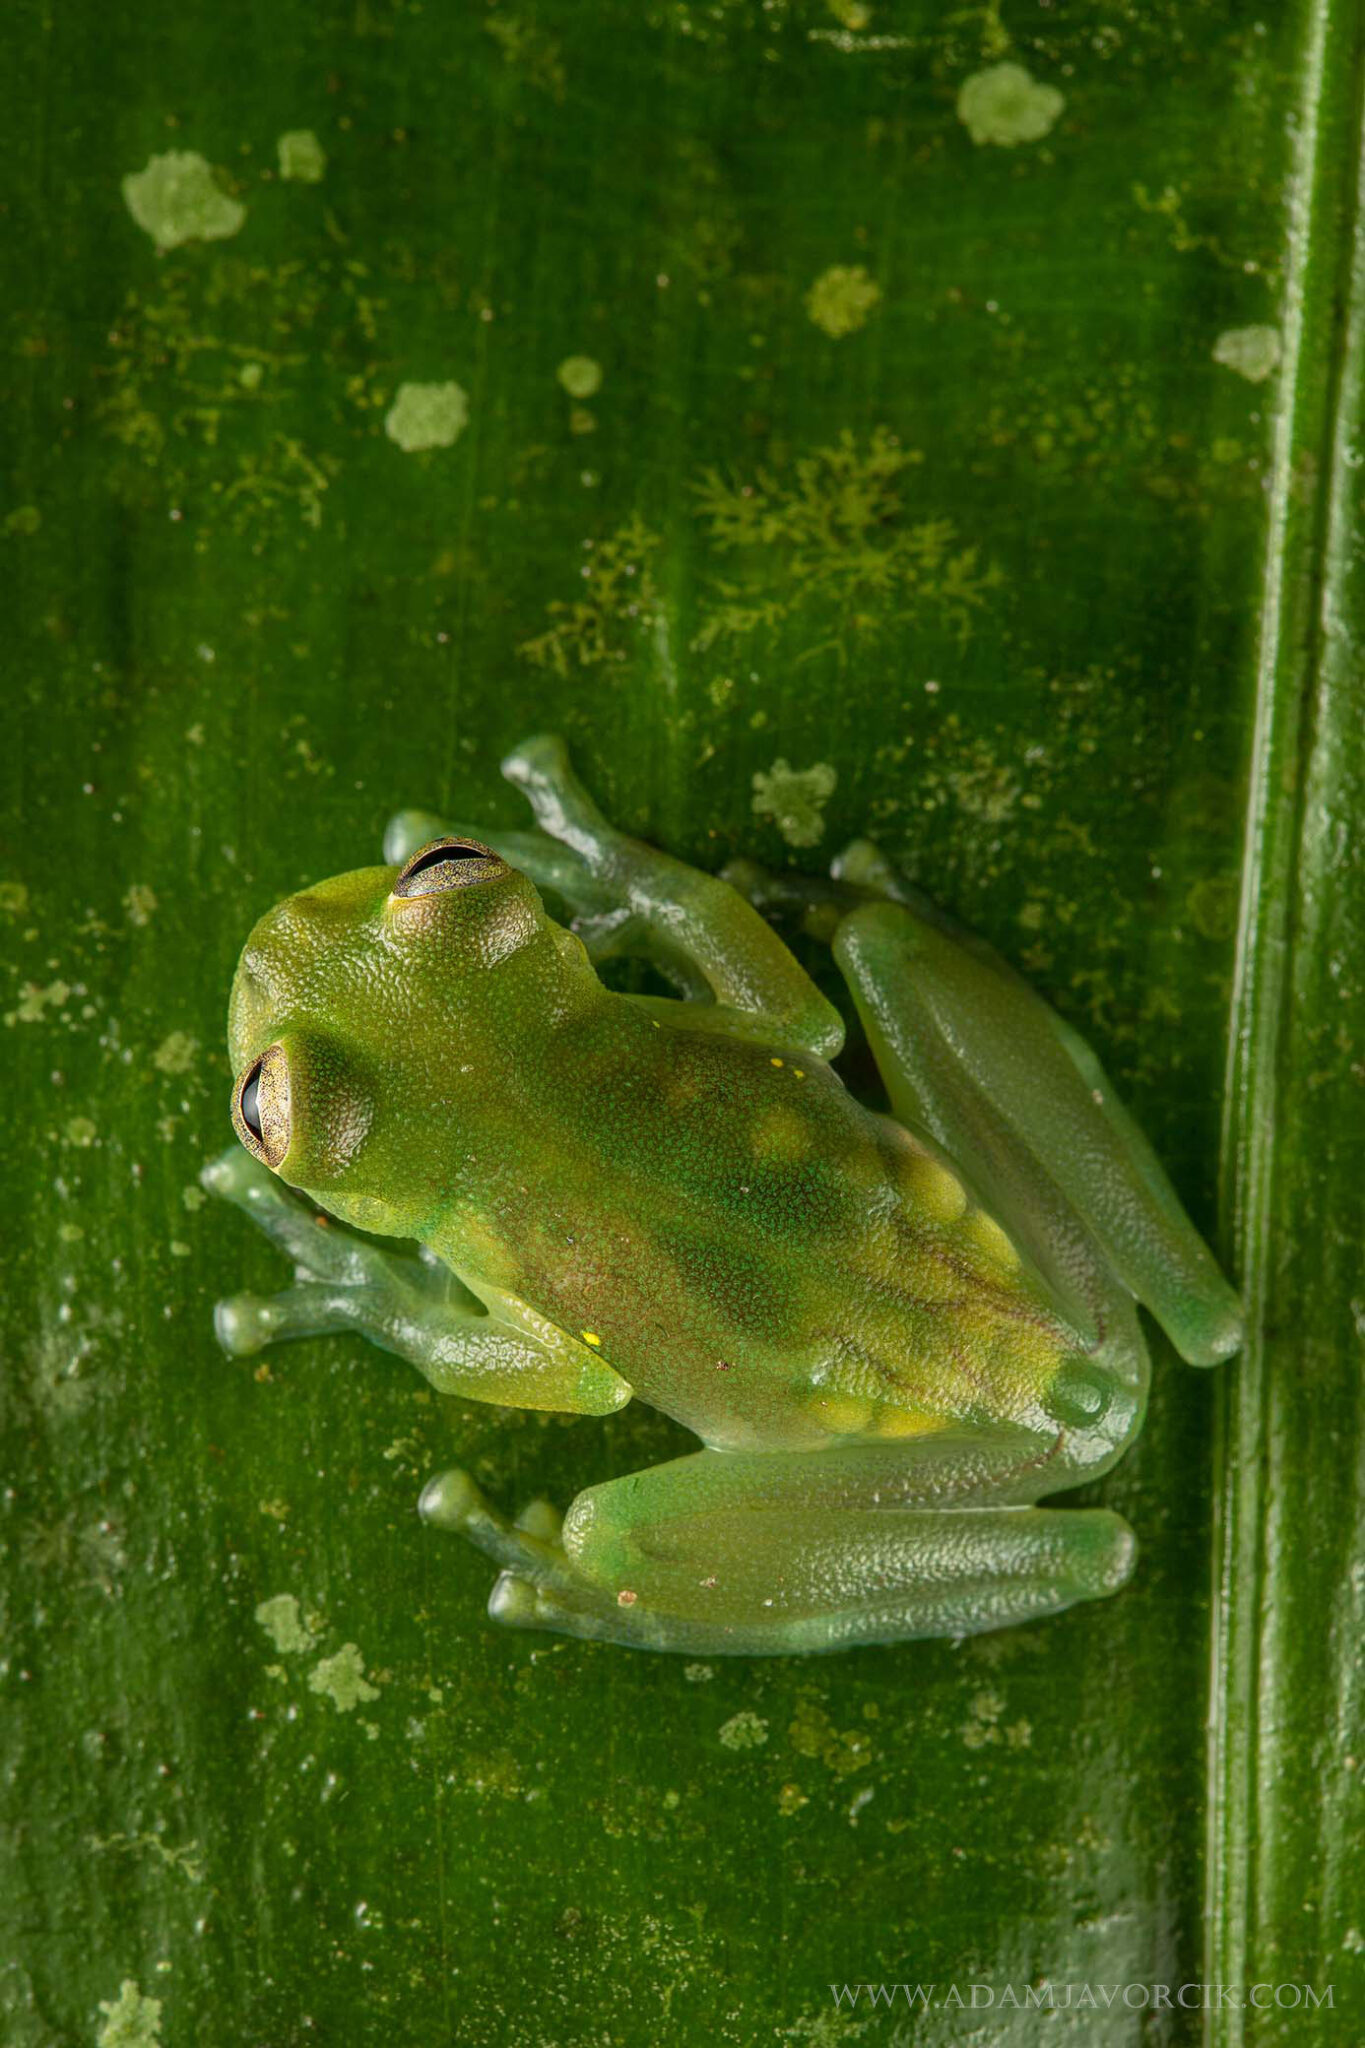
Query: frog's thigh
x=976, y=1059
x=783, y=1553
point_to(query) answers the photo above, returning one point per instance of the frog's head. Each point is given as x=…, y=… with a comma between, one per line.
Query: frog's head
x=370, y=1012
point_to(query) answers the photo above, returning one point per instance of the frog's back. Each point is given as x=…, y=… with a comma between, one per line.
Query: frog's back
x=761, y=1256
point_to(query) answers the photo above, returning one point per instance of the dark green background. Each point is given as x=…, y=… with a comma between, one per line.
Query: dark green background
x=242, y=626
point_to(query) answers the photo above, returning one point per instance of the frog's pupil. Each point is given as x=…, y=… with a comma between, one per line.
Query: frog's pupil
x=251, y=1102
x=436, y=856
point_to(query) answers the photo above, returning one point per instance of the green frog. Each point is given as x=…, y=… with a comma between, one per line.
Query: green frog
x=891, y=1333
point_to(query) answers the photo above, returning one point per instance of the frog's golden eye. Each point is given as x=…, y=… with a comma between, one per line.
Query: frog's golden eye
x=260, y=1106
x=448, y=864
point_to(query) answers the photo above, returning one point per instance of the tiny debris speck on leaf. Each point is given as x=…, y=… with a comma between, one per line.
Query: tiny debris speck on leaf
x=1006, y=105
x=427, y=416
x=177, y=199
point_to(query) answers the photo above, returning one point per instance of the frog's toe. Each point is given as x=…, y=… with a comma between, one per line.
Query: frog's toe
x=242, y=1324
x=541, y=1518
x=514, y=1602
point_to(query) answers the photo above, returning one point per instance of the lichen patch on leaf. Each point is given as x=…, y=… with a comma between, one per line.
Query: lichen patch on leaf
x=1005, y=105
x=130, y=2020
x=341, y=1679
x=285, y=1626
x=1252, y=352
x=427, y=416
x=794, y=798
x=841, y=298
x=302, y=157
x=177, y=199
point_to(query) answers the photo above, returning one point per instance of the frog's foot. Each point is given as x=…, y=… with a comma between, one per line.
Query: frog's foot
x=342, y=1281
x=780, y=1554
x=537, y=1585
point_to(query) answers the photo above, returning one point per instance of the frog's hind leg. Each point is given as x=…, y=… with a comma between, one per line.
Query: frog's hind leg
x=981, y=1069
x=784, y=1553
x=979, y=1063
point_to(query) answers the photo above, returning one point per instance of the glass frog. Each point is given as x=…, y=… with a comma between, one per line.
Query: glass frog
x=893, y=1334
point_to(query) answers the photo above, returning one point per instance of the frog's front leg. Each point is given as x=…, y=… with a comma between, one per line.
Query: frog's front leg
x=785, y=1553
x=411, y=1305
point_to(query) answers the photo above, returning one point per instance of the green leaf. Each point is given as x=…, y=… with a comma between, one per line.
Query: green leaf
x=833, y=418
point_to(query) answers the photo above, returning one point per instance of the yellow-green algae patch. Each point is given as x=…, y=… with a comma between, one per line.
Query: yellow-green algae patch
x=1006, y=105
x=177, y=199
x=427, y=416
x=841, y=298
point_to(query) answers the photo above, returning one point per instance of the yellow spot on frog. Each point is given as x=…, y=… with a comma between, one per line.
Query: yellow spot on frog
x=930, y=1189
x=427, y=416
x=302, y=157
x=1005, y=105
x=591, y=1337
x=841, y=298
x=775, y=1063
x=800, y=1073
x=841, y=1414
x=986, y=1232
x=177, y=199
x=779, y=1137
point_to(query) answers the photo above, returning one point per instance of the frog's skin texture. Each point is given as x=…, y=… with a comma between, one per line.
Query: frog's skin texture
x=892, y=1335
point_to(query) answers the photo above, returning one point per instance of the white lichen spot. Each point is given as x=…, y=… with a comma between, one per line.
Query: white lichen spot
x=342, y=1679
x=841, y=298
x=13, y=898
x=744, y=1730
x=580, y=376
x=699, y=1674
x=850, y=13
x=140, y=903
x=302, y=157
x=177, y=199
x=130, y=2020
x=794, y=798
x=1252, y=352
x=1005, y=104
x=426, y=416
x=80, y=1131
x=193, y=1197
x=286, y=1627
x=176, y=1053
